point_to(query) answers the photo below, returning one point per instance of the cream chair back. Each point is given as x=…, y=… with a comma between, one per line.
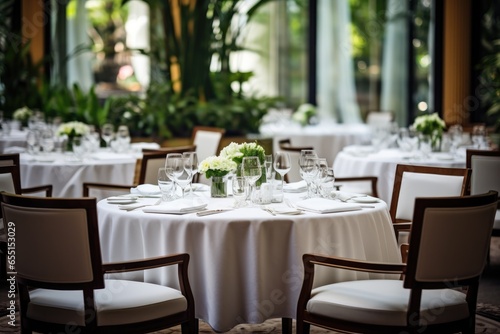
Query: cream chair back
x=415, y=185
x=485, y=174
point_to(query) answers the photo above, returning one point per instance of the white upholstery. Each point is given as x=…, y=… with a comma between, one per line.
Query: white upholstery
x=151, y=176
x=379, y=118
x=207, y=143
x=120, y=302
x=424, y=185
x=57, y=259
x=7, y=183
x=384, y=302
x=485, y=174
x=455, y=229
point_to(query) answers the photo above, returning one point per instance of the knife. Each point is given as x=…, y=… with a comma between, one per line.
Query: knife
x=211, y=212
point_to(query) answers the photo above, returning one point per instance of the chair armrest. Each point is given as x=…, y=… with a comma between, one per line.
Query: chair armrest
x=150, y=263
x=182, y=260
x=310, y=260
x=46, y=188
x=104, y=186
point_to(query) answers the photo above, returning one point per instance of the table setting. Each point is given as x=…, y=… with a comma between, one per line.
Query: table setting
x=251, y=250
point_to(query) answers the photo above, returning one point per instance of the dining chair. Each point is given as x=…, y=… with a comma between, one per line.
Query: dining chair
x=12, y=159
x=207, y=140
x=148, y=173
x=412, y=181
x=63, y=282
x=485, y=176
x=431, y=297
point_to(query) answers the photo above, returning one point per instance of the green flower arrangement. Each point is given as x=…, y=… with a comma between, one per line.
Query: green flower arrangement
x=73, y=129
x=23, y=115
x=236, y=152
x=305, y=112
x=431, y=125
x=216, y=166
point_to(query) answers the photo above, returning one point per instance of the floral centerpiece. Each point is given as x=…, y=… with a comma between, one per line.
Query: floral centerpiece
x=430, y=125
x=236, y=152
x=216, y=168
x=23, y=115
x=305, y=114
x=71, y=130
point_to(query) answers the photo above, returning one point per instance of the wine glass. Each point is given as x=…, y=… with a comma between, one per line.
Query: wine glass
x=282, y=164
x=190, y=165
x=174, y=167
x=240, y=191
x=47, y=141
x=251, y=170
x=308, y=168
x=268, y=165
x=33, y=141
x=321, y=175
x=165, y=184
x=107, y=133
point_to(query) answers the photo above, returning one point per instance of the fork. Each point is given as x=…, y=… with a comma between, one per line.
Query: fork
x=268, y=210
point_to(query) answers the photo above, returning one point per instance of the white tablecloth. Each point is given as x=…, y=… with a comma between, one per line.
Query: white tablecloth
x=383, y=165
x=67, y=175
x=246, y=264
x=326, y=138
x=15, y=141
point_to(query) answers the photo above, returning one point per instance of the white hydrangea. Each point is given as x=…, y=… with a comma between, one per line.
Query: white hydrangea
x=216, y=166
x=73, y=129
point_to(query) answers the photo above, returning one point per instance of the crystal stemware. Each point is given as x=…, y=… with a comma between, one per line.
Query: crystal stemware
x=190, y=166
x=165, y=184
x=251, y=169
x=174, y=167
x=308, y=168
x=239, y=186
x=107, y=133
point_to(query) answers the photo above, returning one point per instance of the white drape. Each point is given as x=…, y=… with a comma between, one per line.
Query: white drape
x=79, y=66
x=336, y=87
x=137, y=28
x=395, y=61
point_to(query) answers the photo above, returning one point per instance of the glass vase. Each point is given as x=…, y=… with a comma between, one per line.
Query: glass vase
x=218, y=187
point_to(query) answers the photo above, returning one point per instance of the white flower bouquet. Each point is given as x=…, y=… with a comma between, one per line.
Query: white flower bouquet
x=304, y=114
x=430, y=125
x=236, y=152
x=22, y=115
x=73, y=129
x=217, y=166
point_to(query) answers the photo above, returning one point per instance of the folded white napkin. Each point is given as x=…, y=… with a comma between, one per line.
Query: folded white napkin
x=141, y=145
x=359, y=150
x=323, y=205
x=178, y=207
x=295, y=187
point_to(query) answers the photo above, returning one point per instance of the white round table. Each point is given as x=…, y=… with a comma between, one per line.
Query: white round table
x=359, y=161
x=245, y=264
x=326, y=138
x=67, y=174
x=15, y=141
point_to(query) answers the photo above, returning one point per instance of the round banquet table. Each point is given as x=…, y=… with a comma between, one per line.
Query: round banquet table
x=245, y=264
x=14, y=141
x=66, y=174
x=359, y=161
x=326, y=138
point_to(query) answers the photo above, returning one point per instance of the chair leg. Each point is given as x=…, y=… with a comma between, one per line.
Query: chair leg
x=190, y=327
x=302, y=327
x=286, y=325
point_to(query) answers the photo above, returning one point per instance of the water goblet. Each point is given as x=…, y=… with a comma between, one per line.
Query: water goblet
x=174, y=167
x=282, y=165
x=107, y=133
x=47, y=141
x=165, y=184
x=321, y=175
x=251, y=169
x=268, y=165
x=240, y=191
x=308, y=168
x=190, y=166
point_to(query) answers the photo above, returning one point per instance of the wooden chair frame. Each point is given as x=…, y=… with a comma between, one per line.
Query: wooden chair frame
x=12, y=159
x=305, y=319
x=405, y=225
x=186, y=319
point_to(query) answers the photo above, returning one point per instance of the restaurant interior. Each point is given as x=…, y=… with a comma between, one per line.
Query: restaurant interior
x=249, y=166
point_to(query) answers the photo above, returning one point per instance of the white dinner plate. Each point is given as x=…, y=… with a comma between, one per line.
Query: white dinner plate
x=121, y=200
x=366, y=199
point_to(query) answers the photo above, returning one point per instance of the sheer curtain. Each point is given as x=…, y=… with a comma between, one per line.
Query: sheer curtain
x=137, y=28
x=80, y=65
x=336, y=87
x=394, y=92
